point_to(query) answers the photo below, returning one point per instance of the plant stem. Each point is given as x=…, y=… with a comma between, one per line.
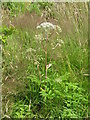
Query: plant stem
x=46, y=58
x=46, y=61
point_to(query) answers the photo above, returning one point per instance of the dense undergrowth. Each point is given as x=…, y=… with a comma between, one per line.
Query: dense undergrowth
x=26, y=91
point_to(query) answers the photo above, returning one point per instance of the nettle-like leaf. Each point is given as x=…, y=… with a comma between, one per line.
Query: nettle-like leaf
x=34, y=78
x=43, y=93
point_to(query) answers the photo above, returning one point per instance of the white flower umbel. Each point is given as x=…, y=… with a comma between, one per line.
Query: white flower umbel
x=47, y=26
x=47, y=29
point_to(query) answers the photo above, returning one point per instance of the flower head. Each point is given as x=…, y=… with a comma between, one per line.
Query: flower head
x=46, y=25
x=47, y=29
x=49, y=26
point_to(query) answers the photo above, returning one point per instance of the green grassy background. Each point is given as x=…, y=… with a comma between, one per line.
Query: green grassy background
x=65, y=93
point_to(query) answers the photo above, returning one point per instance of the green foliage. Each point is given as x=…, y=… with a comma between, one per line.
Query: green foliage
x=64, y=94
x=54, y=99
x=13, y=8
x=57, y=96
x=20, y=110
x=43, y=5
x=5, y=32
x=34, y=8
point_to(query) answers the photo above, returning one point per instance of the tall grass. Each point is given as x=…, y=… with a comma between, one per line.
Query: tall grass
x=69, y=64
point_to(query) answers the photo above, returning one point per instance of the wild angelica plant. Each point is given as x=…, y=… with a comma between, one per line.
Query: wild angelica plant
x=48, y=28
